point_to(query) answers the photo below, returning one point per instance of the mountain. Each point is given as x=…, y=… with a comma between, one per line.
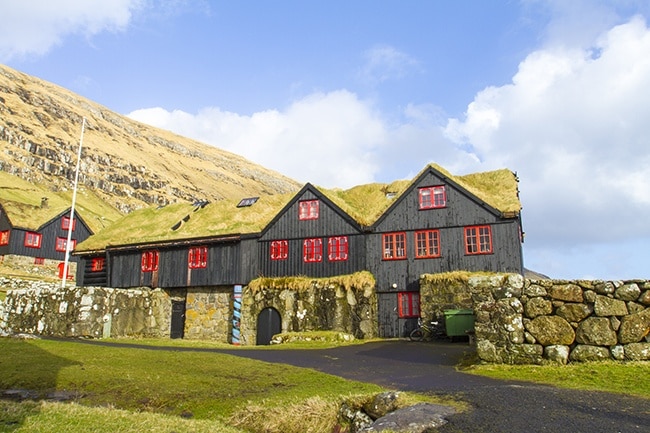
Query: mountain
x=124, y=163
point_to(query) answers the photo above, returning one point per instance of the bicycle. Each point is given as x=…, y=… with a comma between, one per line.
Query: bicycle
x=423, y=331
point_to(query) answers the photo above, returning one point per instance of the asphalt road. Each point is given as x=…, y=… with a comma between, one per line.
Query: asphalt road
x=497, y=406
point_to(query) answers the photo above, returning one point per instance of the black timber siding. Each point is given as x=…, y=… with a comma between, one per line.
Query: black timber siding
x=330, y=222
x=86, y=276
x=5, y=225
x=249, y=264
x=295, y=265
x=49, y=232
x=462, y=210
x=223, y=268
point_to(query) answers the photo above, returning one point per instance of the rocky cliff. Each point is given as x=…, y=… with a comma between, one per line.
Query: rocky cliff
x=126, y=163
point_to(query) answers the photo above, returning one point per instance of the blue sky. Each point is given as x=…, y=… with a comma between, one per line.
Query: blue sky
x=340, y=93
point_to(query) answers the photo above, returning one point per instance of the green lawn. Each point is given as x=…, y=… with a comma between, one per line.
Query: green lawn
x=149, y=387
x=619, y=377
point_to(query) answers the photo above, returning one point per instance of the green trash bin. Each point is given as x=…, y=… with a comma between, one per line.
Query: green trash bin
x=458, y=322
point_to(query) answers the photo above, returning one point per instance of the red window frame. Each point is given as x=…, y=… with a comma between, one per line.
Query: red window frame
x=394, y=246
x=149, y=261
x=337, y=248
x=408, y=304
x=61, y=243
x=33, y=239
x=308, y=210
x=4, y=237
x=279, y=250
x=312, y=250
x=478, y=240
x=197, y=258
x=427, y=244
x=432, y=197
x=65, y=223
x=97, y=264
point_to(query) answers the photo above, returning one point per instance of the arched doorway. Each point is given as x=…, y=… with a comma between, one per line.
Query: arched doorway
x=269, y=323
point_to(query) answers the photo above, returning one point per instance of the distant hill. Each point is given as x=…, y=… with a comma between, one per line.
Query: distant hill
x=124, y=163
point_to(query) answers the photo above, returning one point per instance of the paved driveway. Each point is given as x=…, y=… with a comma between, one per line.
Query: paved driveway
x=497, y=406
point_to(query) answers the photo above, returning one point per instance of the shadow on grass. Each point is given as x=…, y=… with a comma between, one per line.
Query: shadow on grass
x=28, y=374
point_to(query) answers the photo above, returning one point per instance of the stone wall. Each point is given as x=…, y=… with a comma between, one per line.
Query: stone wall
x=523, y=321
x=94, y=312
x=208, y=313
x=327, y=304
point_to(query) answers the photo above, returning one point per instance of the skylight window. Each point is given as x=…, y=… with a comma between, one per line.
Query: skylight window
x=245, y=202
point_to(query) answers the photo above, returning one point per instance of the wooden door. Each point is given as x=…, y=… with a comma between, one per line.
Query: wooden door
x=178, y=319
x=388, y=315
x=269, y=323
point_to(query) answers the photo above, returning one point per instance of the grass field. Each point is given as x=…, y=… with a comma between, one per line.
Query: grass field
x=136, y=390
x=132, y=390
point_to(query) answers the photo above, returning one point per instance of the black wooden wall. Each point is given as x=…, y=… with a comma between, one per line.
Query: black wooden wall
x=330, y=222
x=462, y=210
x=224, y=267
x=49, y=231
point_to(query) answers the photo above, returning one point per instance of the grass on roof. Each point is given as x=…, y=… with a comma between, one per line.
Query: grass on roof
x=22, y=202
x=364, y=203
x=215, y=219
x=497, y=188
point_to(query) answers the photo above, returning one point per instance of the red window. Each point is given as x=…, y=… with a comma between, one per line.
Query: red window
x=308, y=210
x=97, y=264
x=312, y=250
x=408, y=304
x=394, y=246
x=478, y=240
x=427, y=244
x=337, y=248
x=39, y=260
x=432, y=197
x=198, y=258
x=279, y=250
x=149, y=261
x=4, y=237
x=33, y=240
x=62, y=242
x=65, y=223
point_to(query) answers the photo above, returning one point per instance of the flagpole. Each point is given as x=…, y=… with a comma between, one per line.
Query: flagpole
x=74, y=200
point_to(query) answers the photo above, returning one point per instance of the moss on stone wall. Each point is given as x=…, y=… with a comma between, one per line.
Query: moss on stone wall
x=346, y=303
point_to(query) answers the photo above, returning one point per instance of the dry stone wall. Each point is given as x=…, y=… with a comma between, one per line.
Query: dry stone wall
x=323, y=305
x=523, y=321
x=208, y=313
x=94, y=312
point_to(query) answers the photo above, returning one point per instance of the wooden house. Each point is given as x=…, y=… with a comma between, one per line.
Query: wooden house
x=435, y=223
x=39, y=231
x=439, y=225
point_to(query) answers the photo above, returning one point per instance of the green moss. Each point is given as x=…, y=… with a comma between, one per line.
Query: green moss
x=22, y=202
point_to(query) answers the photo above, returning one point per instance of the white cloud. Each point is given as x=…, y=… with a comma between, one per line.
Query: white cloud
x=35, y=26
x=384, y=63
x=329, y=139
x=575, y=127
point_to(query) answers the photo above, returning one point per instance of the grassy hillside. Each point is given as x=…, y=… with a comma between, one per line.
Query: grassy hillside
x=125, y=163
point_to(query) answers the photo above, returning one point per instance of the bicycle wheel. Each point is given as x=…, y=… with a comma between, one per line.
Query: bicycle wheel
x=416, y=335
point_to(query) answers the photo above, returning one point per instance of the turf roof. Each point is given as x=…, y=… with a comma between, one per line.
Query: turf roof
x=22, y=203
x=364, y=203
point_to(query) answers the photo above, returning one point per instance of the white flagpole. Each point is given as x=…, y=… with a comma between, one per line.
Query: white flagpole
x=74, y=200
